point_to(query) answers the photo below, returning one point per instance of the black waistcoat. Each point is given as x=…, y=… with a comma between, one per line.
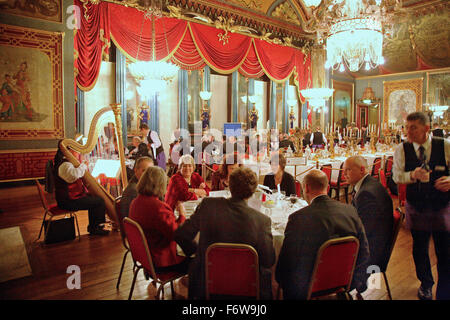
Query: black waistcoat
x=318, y=138
x=159, y=149
x=425, y=195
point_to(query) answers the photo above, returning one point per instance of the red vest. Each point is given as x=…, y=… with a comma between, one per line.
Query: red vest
x=68, y=191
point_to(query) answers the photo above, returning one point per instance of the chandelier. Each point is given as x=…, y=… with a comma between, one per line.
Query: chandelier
x=353, y=31
x=317, y=97
x=152, y=76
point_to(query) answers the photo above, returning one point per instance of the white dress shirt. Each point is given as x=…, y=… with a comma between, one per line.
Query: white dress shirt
x=69, y=173
x=156, y=142
x=398, y=169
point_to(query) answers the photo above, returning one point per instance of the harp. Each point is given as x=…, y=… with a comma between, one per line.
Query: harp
x=104, y=116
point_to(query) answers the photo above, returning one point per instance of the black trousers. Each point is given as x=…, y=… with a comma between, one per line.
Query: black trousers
x=95, y=206
x=421, y=242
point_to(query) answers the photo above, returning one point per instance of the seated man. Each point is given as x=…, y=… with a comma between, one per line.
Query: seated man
x=286, y=143
x=130, y=191
x=308, y=228
x=231, y=221
x=374, y=206
x=71, y=194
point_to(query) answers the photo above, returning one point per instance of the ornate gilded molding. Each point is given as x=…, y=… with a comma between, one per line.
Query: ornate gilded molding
x=285, y=11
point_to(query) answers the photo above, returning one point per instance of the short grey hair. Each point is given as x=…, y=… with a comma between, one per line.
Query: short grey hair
x=141, y=160
x=153, y=182
x=185, y=159
x=357, y=161
x=316, y=180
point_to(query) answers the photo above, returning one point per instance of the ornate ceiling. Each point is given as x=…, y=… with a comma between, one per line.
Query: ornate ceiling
x=421, y=39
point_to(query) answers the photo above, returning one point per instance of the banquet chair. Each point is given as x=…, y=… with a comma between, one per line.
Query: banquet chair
x=142, y=259
x=376, y=168
x=52, y=211
x=399, y=216
x=123, y=236
x=232, y=271
x=340, y=183
x=298, y=188
x=327, y=169
x=334, y=267
x=388, y=166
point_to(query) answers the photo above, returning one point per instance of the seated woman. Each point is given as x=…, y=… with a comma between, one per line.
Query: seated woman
x=142, y=151
x=220, y=179
x=186, y=184
x=158, y=220
x=279, y=176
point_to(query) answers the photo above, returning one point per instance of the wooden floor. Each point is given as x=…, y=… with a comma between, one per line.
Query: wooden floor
x=100, y=258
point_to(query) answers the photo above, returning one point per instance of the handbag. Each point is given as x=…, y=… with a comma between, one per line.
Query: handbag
x=59, y=230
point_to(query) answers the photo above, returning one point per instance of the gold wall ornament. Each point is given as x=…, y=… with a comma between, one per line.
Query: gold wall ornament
x=249, y=4
x=285, y=12
x=430, y=36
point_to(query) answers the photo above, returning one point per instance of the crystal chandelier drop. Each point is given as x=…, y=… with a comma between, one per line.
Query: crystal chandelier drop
x=353, y=31
x=152, y=76
x=317, y=97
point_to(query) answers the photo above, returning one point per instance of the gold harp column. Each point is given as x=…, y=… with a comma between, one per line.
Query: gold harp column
x=116, y=108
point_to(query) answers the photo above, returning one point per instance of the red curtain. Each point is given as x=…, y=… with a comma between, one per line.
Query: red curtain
x=187, y=44
x=91, y=42
x=132, y=33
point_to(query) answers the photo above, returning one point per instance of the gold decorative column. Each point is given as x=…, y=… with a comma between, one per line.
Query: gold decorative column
x=318, y=57
x=116, y=108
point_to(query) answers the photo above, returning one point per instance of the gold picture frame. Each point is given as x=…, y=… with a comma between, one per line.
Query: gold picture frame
x=401, y=97
x=32, y=84
x=343, y=102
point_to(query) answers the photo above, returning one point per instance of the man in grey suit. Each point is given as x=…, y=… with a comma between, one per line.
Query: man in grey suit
x=308, y=228
x=130, y=191
x=230, y=221
x=374, y=206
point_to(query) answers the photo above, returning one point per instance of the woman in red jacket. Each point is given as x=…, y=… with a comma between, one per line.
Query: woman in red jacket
x=158, y=220
x=186, y=184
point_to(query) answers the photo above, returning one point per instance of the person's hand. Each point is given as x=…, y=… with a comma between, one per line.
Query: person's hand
x=200, y=192
x=180, y=208
x=443, y=184
x=420, y=174
x=202, y=185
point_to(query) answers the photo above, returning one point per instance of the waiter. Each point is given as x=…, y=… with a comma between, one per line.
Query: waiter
x=318, y=139
x=423, y=164
x=155, y=144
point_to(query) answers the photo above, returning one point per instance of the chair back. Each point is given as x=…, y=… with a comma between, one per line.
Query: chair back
x=383, y=180
x=232, y=270
x=327, y=169
x=399, y=216
x=341, y=176
x=138, y=245
x=401, y=187
x=298, y=188
x=41, y=194
x=388, y=165
x=117, y=202
x=334, y=266
x=376, y=167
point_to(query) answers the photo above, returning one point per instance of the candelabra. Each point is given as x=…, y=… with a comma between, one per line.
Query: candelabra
x=373, y=136
x=330, y=138
x=299, y=134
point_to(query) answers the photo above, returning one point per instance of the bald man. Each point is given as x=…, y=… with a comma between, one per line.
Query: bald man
x=130, y=191
x=374, y=206
x=308, y=228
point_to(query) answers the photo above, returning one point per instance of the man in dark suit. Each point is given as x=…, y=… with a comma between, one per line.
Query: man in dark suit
x=230, y=221
x=437, y=132
x=307, y=138
x=308, y=228
x=286, y=143
x=374, y=206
